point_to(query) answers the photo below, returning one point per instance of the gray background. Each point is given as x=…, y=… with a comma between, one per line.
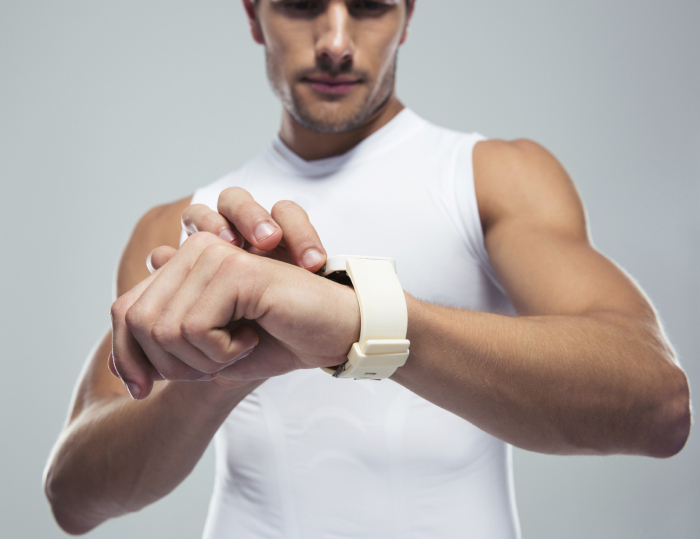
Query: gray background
x=109, y=108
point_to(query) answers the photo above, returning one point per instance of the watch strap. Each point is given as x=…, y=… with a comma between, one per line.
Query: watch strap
x=382, y=347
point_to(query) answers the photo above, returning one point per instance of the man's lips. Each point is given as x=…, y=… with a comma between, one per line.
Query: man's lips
x=332, y=85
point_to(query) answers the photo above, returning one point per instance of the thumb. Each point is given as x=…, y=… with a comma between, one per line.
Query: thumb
x=159, y=256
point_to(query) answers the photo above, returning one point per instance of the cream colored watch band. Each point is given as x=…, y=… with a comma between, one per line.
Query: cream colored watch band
x=382, y=347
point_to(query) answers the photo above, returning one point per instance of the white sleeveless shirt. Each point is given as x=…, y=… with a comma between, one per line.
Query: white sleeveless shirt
x=308, y=456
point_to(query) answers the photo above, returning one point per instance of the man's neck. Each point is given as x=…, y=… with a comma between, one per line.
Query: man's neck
x=311, y=145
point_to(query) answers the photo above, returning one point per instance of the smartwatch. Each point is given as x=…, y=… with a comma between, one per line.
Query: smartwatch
x=382, y=347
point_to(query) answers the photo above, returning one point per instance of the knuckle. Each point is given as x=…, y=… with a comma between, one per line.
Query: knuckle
x=285, y=206
x=118, y=308
x=212, y=221
x=200, y=218
x=238, y=206
x=292, y=211
x=192, y=328
x=216, y=251
x=239, y=262
x=196, y=209
x=230, y=195
x=162, y=333
x=159, y=257
x=199, y=240
x=231, y=192
x=135, y=318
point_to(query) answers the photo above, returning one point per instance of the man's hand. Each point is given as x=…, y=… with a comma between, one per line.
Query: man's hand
x=217, y=311
x=284, y=234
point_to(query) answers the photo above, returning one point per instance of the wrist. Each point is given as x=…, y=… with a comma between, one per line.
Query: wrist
x=352, y=321
x=217, y=394
x=418, y=319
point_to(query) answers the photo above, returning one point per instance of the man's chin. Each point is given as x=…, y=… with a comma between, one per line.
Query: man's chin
x=331, y=122
x=334, y=118
x=328, y=127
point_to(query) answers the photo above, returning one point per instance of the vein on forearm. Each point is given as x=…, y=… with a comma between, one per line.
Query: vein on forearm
x=120, y=455
x=556, y=384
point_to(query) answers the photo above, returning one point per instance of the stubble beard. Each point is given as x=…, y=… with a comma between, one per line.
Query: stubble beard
x=342, y=121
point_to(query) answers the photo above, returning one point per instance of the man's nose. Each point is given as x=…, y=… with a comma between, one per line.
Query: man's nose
x=335, y=45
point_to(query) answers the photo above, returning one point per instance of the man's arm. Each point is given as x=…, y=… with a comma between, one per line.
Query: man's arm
x=116, y=455
x=585, y=368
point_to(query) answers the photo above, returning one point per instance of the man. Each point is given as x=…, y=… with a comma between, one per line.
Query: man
x=236, y=320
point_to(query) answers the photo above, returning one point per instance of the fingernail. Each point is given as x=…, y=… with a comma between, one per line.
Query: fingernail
x=264, y=230
x=311, y=258
x=133, y=390
x=206, y=378
x=226, y=235
x=149, y=262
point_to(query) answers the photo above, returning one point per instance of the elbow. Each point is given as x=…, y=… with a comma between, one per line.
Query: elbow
x=61, y=508
x=70, y=526
x=673, y=418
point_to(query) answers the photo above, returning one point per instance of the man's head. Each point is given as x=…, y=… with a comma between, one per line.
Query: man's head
x=331, y=62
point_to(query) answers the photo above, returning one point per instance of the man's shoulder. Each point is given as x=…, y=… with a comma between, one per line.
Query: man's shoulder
x=514, y=165
x=514, y=153
x=521, y=179
x=158, y=226
x=162, y=223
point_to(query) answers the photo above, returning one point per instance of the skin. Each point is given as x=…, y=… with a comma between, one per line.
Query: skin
x=584, y=369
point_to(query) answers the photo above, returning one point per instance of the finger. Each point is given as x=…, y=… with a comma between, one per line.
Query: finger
x=267, y=359
x=127, y=359
x=223, y=345
x=158, y=257
x=300, y=237
x=113, y=370
x=168, y=330
x=201, y=218
x=143, y=313
x=132, y=366
x=227, y=297
x=248, y=217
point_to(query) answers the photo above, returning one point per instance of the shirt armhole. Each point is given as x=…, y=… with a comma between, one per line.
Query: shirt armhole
x=467, y=206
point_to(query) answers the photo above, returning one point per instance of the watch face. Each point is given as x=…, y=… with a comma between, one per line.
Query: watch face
x=338, y=263
x=340, y=277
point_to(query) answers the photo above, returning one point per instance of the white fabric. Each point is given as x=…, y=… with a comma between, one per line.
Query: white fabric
x=309, y=456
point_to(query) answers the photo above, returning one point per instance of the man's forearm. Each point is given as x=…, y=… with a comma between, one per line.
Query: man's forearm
x=593, y=384
x=120, y=455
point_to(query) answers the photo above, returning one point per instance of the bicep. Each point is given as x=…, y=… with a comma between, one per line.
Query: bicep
x=536, y=235
x=545, y=272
